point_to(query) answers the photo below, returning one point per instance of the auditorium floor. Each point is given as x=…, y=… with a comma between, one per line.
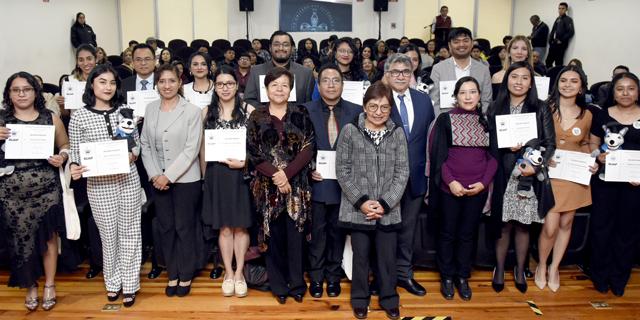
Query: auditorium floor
x=79, y=298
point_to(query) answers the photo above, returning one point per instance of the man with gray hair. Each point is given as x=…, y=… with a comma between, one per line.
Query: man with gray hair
x=539, y=35
x=412, y=110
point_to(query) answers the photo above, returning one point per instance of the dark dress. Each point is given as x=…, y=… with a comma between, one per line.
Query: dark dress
x=226, y=201
x=30, y=211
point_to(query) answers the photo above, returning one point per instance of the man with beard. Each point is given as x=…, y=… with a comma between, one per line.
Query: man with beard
x=281, y=48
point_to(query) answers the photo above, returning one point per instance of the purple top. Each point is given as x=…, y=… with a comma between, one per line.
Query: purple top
x=468, y=165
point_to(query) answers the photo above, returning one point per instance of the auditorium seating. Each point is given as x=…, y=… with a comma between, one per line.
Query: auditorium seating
x=177, y=44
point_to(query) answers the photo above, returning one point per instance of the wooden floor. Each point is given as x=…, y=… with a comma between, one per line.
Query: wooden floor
x=79, y=298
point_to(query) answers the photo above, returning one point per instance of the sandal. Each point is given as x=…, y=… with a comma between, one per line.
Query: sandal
x=113, y=295
x=129, y=299
x=31, y=302
x=49, y=297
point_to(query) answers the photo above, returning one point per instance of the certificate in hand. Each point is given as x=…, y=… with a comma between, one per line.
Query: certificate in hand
x=326, y=164
x=72, y=92
x=542, y=86
x=513, y=129
x=447, y=100
x=263, y=90
x=30, y=141
x=572, y=166
x=353, y=91
x=199, y=99
x=223, y=144
x=622, y=166
x=104, y=158
x=138, y=100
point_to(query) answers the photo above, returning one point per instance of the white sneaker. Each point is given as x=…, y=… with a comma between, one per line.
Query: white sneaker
x=241, y=289
x=228, y=288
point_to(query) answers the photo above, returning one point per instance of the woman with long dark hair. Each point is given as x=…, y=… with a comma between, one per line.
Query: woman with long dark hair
x=201, y=88
x=81, y=32
x=348, y=60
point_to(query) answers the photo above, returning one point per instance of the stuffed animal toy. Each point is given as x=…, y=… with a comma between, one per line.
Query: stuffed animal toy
x=423, y=87
x=5, y=166
x=531, y=156
x=612, y=141
x=125, y=130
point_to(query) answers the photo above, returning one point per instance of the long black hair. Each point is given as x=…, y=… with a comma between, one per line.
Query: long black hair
x=39, y=103
x=213, y=111
x=503, y=99
x=414, y=48
x=207, y=60
x=78, y=16
x=554, y=98
x=481, y=117
x=611, y=100
x=89, y=98
x=77, y=72
x=355, y=67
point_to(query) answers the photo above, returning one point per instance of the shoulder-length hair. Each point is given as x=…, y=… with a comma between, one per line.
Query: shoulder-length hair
x=170, y=68
x=213, y=112
x=414, y=48
x=554, y=98
x=207, y=60
x=77, y=72
x=481, y=117
x=38, y=104
x=611, y=99
x=355, y=67
x=503, y=100
x=507, y=62
x=89, y=97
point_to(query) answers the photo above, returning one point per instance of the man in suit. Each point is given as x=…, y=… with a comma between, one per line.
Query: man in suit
x=460, y=65
x=561, y=33
x=281, y=48
x=329, y=115
x=539, y=35
x=413, y=112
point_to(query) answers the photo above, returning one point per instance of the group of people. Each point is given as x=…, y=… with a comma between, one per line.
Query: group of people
x=397, y=150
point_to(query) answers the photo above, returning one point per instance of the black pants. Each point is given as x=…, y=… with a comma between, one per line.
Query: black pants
x=459, y=220
x=284, y=257
x=327, y=243
x=95, y=243
x=556, y=55
x=384, y=244
x=614, y=229
x=409, y=208
x=177, y=213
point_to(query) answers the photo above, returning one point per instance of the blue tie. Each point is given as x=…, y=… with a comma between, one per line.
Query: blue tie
x=144, y=84
x=404, y=115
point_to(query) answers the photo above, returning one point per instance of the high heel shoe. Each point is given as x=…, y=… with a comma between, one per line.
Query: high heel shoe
x=539, y=282
x=31, y=302
x=554, y=285
x=113, y=295
x=522, y=287
x=49, y=297
x=497, y=287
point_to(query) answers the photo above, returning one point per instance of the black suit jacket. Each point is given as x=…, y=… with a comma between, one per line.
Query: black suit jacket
x=539, y=35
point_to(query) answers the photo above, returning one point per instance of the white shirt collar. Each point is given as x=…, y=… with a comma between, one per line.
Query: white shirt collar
x=457, y=66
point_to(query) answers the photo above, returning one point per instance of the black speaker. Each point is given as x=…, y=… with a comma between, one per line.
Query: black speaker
x=380, y=5
x=246, y=5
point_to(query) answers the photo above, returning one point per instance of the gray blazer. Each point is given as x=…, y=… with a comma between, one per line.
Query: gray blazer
x=445, y=71
x=366, y=172
x=305, y=83
x=180, y=140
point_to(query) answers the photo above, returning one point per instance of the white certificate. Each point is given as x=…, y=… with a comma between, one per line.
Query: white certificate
x=30, y=141
x=326, y=164
x=104, y=158
x=223, y=144
x=199, y=99
x=572, y=166
x=353, y=91
x=138, y=100
x=542, y=86
x=514, y=129
x=447, y=100
x=72, y=92
x=622, y=166
x=263, y=90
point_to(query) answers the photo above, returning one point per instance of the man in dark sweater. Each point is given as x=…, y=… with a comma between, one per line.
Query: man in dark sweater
x=539, y=35
x=561, y=34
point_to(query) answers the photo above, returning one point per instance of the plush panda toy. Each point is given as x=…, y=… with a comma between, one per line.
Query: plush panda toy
x=533, y=157
x=126, y=128
x=613, y=141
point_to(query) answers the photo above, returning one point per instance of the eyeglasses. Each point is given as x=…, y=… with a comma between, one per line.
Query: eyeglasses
x=244, y=59
x=140, y=60
x=228, y=85
x=281, y=45
x=372, y=107
x=344, y=51
x=327, y=81
x=18, y=91
x=397, y=73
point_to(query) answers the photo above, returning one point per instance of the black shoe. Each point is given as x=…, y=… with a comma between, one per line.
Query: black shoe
x=315, y=289
x=216, y=273
x=373, y=287
x=497, y=287
x=183, y=290
x=298, y=297
x=360, y=313
x=129, y=299
x=333, y=289
x=446, y=288
x=463, y=289
x=93, y=272
x=281, y=299
x=113, y=296
x=412, y=287
x=393, y=313
x=617, y=292
x=170, y=291
x=155, y=272
x=522, y=287
x=601, y=288
x=528, y=273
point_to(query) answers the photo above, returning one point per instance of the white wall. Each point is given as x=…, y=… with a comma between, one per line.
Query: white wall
x=264, y=20
x=606, y=32
x=35, y=34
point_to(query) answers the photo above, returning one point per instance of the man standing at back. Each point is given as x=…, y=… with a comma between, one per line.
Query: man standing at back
x=281, y=48
x=539, y=35
x=447, y=72
x=561, y=34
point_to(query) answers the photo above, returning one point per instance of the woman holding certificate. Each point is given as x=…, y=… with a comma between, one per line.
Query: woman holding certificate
x=170, y=145
x=614, y=220
x=280, y=144
x=226, y=204
x=31, y=210
x=510, y=210
x=572, y=122
x=85, y=62
x=115, y=199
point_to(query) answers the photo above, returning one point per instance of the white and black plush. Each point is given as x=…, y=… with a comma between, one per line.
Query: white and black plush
x=125, y=129
x=533, y=156
x=5, y=165
x=613, y=140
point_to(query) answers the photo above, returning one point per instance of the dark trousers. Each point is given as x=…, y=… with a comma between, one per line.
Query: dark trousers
x=409, y=208
x=327, y=243
x=384, y=244
x=614, y=233
x=284, y=257
x=459, y=219
x=95, y=244
x=556, y=55
x=177, y=212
